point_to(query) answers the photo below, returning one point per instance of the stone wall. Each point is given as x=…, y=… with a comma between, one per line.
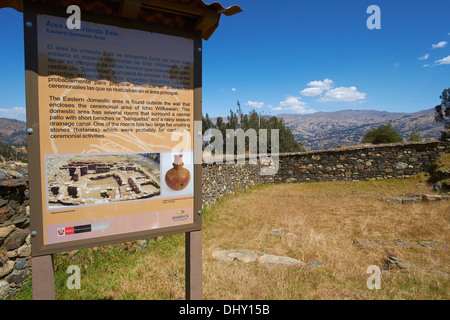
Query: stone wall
x=15, y=248
x=391, y=161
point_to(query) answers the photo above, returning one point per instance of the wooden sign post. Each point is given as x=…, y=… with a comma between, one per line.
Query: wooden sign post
x=112, y=99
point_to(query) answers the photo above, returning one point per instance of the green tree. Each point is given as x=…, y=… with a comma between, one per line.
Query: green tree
x=442, y=111
x=233, y=121
x=253, y=120
x=221, y=125
x=287, y=142
x=383, y=134
x=414, y=136
x=207, y=123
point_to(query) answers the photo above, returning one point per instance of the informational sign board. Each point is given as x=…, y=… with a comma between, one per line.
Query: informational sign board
x=113, y=117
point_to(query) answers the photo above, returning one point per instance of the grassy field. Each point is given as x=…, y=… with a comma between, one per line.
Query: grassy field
x=320, y=222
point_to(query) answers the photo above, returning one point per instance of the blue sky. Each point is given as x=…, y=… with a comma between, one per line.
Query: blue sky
x=299, y=57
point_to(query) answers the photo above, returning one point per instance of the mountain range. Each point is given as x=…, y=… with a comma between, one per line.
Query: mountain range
x=13, y=132
x=317, y=131
x=325, y=130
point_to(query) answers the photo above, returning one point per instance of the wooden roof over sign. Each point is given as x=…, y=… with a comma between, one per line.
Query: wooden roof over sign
x=184, y=14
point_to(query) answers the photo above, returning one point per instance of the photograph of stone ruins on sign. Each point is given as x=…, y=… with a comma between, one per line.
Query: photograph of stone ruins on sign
x=105, y=178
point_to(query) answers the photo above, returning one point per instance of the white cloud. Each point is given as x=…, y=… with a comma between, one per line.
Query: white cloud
x=311, y=92
x=275, y=108
x=325, y=89
x=290, y=100
x=317, y=87
x=397, y=64
x=325, y=84
x=445, y=60
x=343, y=94
x=233, y=89
x=290, y=104
x=439, y=45
x=424, y=57
x=294, y=104
x=14, y=113
x=254, y=104
x=442, y=61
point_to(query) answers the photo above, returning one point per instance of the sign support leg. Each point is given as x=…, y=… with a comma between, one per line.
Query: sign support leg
x=193, y=245
x=43, y=278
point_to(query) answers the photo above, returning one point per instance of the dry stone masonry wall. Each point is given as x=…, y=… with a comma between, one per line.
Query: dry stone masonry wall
x=393, y=161
x=15, y=248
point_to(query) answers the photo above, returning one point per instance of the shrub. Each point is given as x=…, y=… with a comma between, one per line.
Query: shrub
x=383, y=134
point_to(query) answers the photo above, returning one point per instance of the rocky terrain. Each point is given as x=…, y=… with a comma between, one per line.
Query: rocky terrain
x=15, y=247
x=13, y=132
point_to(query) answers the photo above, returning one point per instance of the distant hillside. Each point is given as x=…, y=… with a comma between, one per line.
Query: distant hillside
x=13, y=132
x=319, y=130
x=325, y=130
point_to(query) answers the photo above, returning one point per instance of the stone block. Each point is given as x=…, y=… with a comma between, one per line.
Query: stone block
x=5, y=213
x=15, y=239
x=272, y=260
x=5, y=231
x=431, y=197
x=6, y=268
x=244, y=255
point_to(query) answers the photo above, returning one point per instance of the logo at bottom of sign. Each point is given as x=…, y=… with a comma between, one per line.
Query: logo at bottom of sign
x=82, y=228
x=180, y=215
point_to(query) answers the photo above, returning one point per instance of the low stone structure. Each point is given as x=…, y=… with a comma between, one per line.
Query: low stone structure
x=15, y=241
x=389, y=161
x=83, y=177
x=249, y=256
x=134, y=185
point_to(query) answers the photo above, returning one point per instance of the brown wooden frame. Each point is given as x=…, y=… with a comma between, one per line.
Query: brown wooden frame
x=31, y=10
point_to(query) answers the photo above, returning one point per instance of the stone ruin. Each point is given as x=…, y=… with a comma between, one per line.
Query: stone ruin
x=78, y=182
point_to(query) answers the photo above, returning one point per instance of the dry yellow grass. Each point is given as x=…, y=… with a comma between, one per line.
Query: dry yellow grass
x=324, y=221
x=319, y=221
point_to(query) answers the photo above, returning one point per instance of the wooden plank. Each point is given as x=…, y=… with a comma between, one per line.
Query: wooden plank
x=43, y=278
x=173, y=7
x=193, y=265
x=130, y=8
